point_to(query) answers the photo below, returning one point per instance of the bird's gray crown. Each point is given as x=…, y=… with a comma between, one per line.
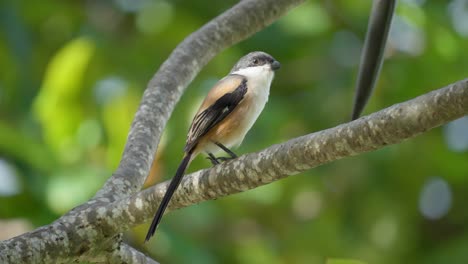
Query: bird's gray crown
x=254, y=59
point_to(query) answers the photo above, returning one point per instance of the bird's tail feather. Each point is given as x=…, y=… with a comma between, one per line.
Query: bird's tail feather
x=167, y=196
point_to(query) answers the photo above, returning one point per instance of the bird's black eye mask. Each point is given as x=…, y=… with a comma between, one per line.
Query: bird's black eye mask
x=259, y=61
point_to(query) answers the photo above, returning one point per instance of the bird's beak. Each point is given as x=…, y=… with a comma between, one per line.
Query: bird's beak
x=275, y=65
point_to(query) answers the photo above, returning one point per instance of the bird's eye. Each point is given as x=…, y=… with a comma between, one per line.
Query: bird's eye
x=255, y=61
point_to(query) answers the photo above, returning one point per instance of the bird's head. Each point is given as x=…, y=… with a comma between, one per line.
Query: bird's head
x=254, y=62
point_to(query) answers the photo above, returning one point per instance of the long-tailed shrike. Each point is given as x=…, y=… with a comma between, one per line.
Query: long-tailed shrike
x=225, y=116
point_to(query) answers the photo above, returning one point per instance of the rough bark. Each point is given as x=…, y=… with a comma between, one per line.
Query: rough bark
x=126, y=254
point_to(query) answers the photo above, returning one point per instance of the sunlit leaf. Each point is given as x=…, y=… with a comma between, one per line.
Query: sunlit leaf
x=57, y=105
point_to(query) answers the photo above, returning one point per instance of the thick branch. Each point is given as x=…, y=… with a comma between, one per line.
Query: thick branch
x=389, y=126
x=168, y=84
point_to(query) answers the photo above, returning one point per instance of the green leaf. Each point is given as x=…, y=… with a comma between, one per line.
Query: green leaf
x=57, y=105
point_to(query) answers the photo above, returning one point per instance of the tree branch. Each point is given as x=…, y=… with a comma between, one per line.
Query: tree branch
x=389, y=126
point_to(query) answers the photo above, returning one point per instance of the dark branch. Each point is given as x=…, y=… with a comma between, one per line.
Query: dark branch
x=372, y=53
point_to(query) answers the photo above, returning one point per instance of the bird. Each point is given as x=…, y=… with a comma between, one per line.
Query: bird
x=225, y=116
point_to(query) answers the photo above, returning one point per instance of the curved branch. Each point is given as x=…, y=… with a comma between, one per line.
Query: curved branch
x=168, y=84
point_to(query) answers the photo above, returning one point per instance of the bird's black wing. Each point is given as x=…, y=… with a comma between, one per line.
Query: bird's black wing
x=202, y=123
x=211, y=116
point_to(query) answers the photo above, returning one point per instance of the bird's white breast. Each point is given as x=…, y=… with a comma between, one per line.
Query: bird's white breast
x=258, y=88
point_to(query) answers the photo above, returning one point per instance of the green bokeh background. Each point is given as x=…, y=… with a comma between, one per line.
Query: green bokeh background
x=72, y=74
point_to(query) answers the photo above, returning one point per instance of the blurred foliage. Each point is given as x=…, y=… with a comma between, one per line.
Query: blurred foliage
x=72, y=74
x=343, y=261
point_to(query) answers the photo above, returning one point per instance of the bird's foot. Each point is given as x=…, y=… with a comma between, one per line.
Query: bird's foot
x=214, y=160
x=223, y=159
x=217, y=160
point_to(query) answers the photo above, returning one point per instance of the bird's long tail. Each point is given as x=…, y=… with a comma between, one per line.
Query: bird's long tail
x=167, y=196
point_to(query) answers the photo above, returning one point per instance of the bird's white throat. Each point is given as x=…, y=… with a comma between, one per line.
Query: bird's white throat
x=258, y=78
